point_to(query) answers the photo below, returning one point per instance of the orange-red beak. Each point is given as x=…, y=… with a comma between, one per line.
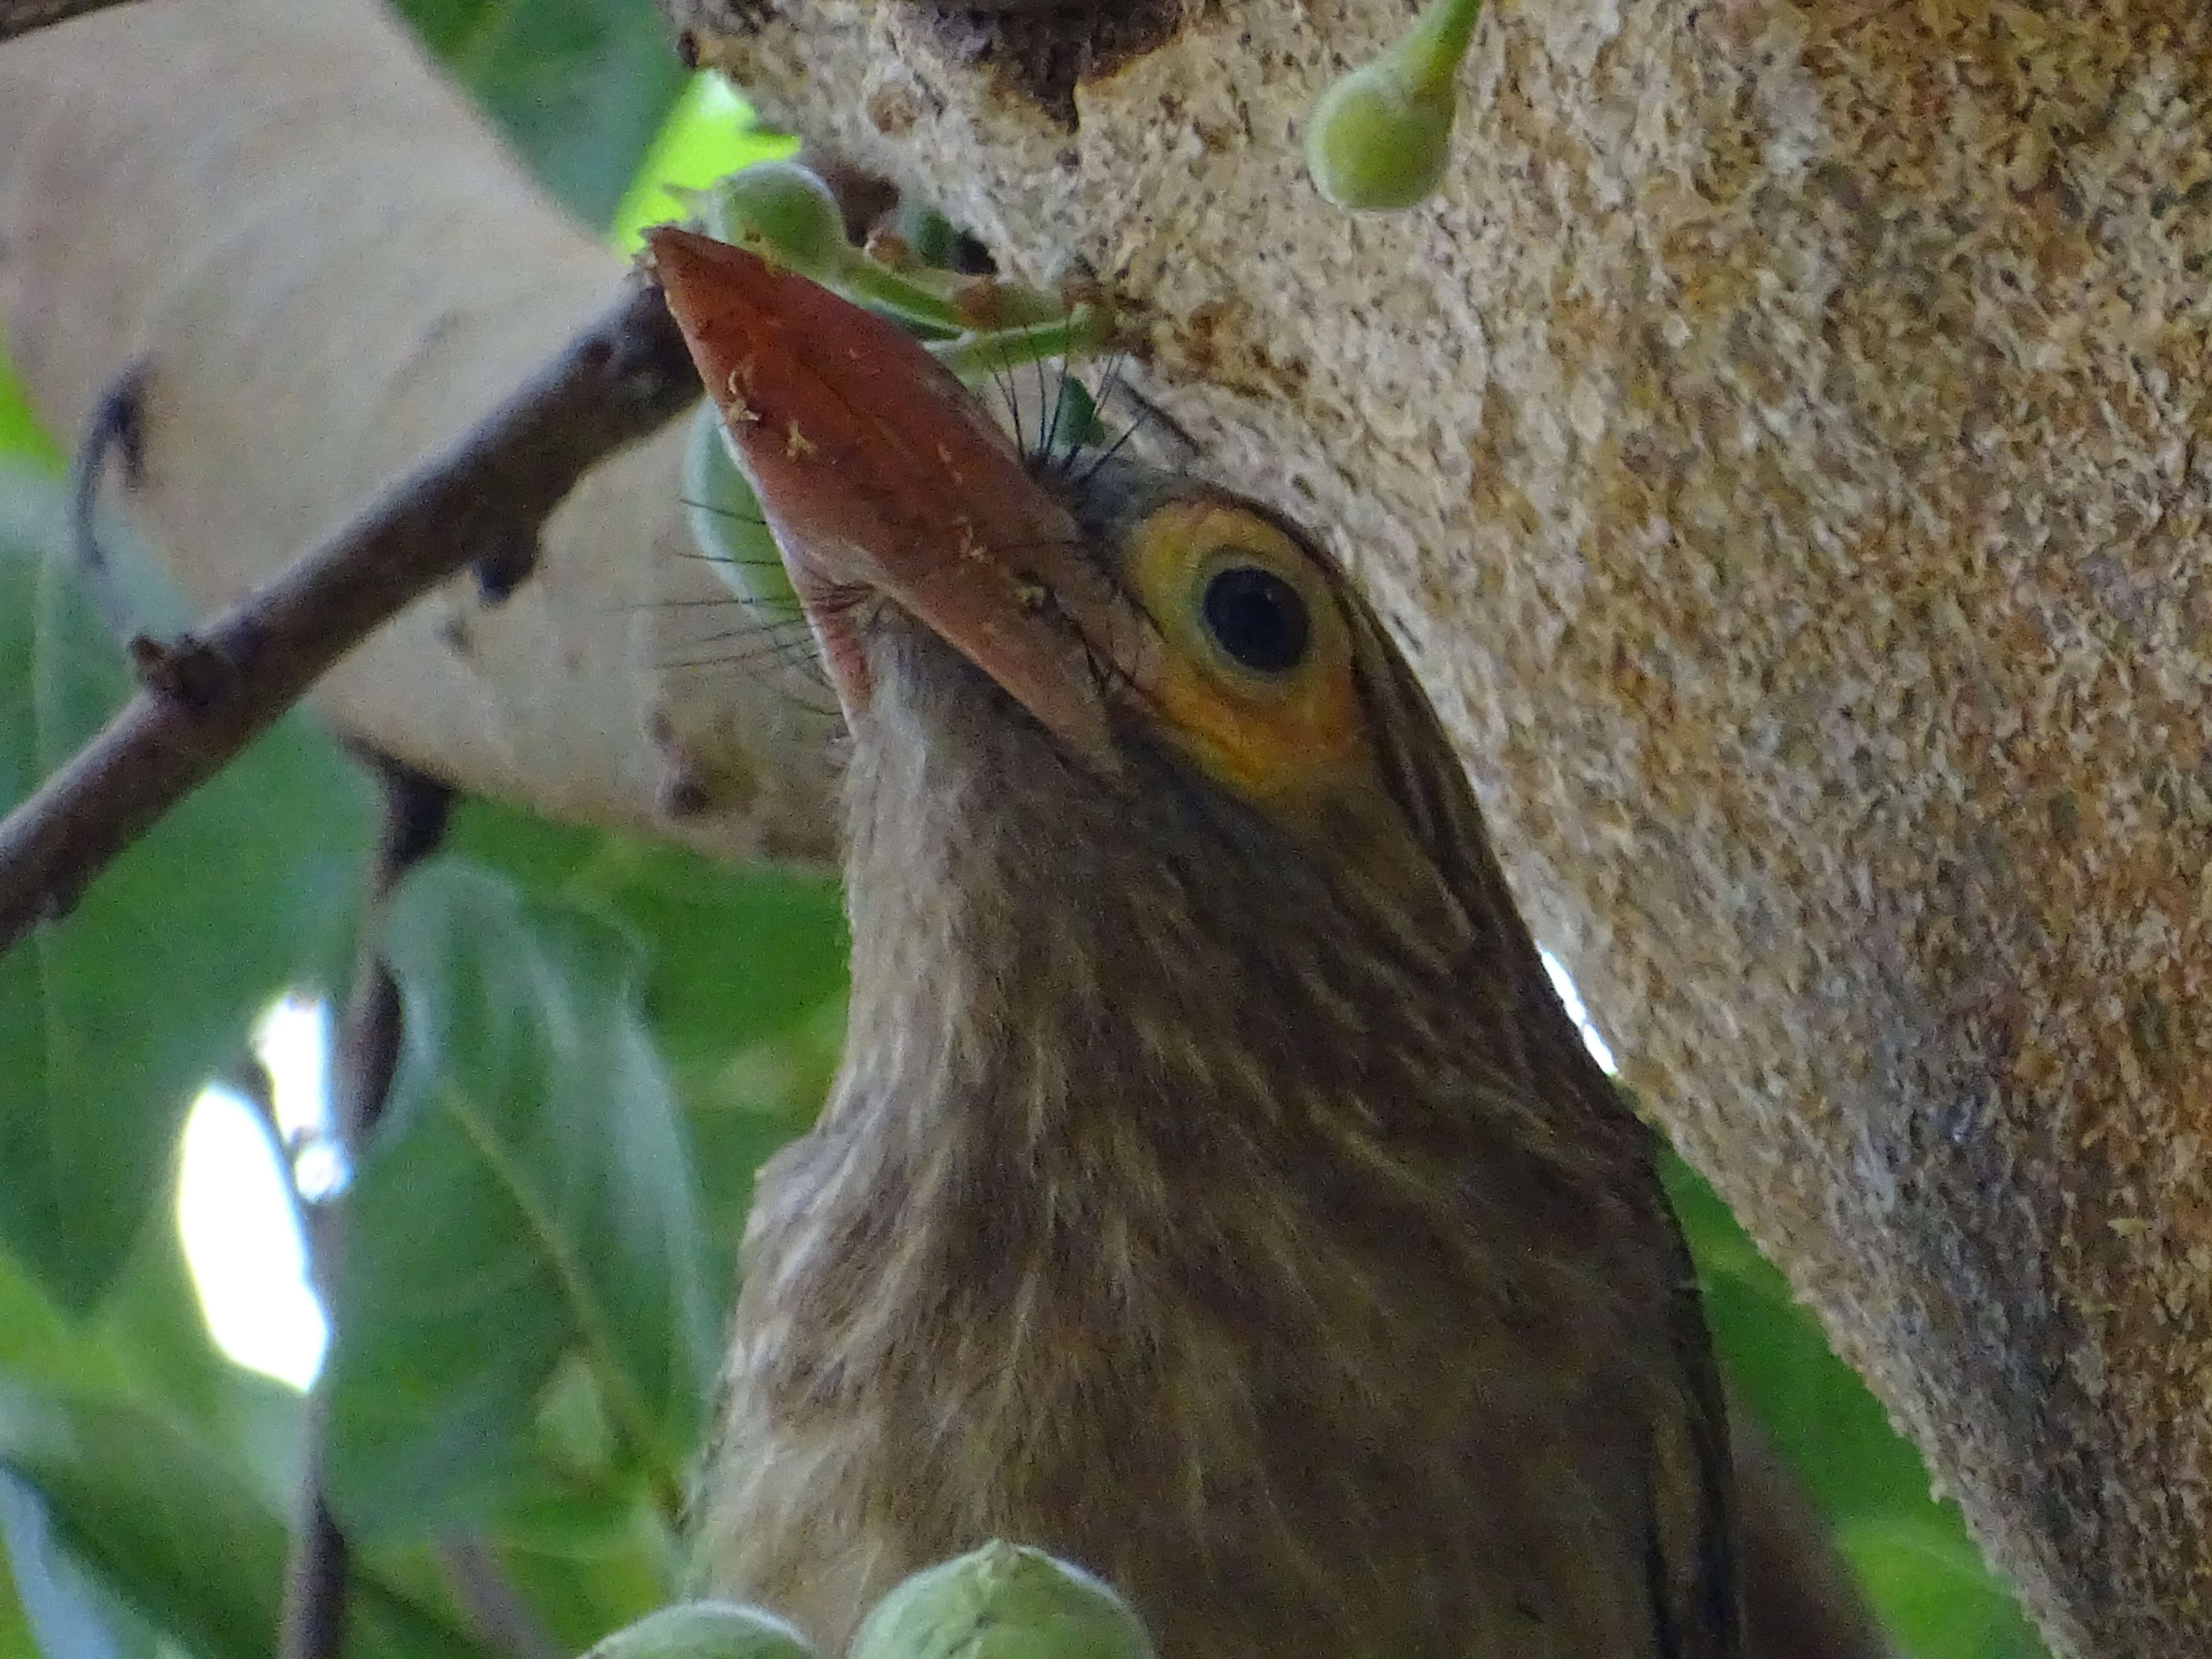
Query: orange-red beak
x=877, y=469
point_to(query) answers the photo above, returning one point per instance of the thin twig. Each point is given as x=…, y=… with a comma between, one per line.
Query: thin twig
x=204, y=697
x=248, y=1078
x=415, y=811
x=22, y=16
x=317, y=1581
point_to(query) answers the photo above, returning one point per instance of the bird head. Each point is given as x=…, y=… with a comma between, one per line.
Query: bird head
x=1203, y=1094
x=1099, y=703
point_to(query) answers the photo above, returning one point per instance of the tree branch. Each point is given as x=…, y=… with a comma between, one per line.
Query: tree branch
x=1821, y=620
x=318, y=1581
x=206, y=694
x=351, y=297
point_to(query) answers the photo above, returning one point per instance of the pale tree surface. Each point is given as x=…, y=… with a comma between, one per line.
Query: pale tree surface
x=310, y=241
x=1777, y=443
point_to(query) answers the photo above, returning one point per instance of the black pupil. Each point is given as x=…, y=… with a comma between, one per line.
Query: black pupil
x=1257, y=618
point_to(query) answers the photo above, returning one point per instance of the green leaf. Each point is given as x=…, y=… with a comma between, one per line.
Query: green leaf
x=163, y=1520
x=17, y=1640
x=709, y=132
x=152, y=1324
x=23, y=438
x=156, y=1513
x=149, y=1341
x=580, y=87
x=745, y=992
x=38, y=1341
x=737, y=955
x=579, y=1595
x=111, y=1017
x=1939, y=1600
x=1923, y=1574
x=56, y=1608
x=47, y=1355
x=160, y=1363
x=390, y=1625
x=531, y=1196
x=149, y=1344
x=748, y=1106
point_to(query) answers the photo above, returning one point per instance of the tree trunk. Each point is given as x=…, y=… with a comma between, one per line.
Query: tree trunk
x=1778, y=444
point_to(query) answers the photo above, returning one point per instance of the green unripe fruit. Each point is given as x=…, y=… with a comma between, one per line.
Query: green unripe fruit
x=1002, y=1601
x=781, y=211
x=1380, y=138
x=706, y=1630
x=1376, y=144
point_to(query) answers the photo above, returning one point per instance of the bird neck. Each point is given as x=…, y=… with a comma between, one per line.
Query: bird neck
x=1076, y=1005
x=1155, y=1154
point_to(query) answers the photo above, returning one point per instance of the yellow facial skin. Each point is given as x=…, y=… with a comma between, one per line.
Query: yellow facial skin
x=1280, y=737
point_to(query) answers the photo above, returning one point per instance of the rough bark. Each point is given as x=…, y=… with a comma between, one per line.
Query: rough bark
x=329, y=268
x=1780, y=443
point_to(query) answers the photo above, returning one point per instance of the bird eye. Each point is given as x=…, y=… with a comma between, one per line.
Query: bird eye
x=1247, y=665
x=1258, y=619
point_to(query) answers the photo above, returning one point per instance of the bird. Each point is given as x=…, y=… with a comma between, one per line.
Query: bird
x=1214, y=1192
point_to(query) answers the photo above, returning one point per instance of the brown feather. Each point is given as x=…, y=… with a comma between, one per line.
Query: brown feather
x=1221, y=1200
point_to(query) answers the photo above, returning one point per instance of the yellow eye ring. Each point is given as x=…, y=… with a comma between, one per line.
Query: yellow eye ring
x=1256, y=681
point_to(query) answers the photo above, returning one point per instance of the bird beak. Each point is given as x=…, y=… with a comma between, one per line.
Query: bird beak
x=877, y=470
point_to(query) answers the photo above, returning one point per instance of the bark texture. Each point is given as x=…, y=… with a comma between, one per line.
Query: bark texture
x=1780, y=445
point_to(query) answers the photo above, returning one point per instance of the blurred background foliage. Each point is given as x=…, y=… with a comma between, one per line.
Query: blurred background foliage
x=619, y=1033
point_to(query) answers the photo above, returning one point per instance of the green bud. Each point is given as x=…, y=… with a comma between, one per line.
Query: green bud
x=1380, y=138
x=781, y=211
x=1002, y=1601
x=706, y=1630
x=726, y=524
